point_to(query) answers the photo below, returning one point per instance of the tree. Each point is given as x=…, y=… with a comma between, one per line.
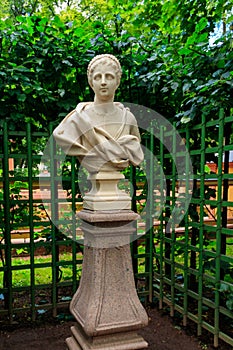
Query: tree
x=42, y=77
x=168, y=63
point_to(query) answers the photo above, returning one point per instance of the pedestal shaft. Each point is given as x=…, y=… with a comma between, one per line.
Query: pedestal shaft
x=106, y=305
x=105, y=194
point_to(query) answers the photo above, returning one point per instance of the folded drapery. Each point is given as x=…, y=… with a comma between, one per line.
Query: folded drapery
x=94, y=144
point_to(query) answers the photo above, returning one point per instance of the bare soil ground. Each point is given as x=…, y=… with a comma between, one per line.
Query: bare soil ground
x=161, y=334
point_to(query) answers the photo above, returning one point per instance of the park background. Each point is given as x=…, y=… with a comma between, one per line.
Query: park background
x=177, y=60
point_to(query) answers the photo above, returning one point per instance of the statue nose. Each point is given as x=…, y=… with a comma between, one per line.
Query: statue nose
x=103, y=80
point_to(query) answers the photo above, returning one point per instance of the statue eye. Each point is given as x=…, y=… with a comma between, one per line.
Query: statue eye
x=97, y=77
x=109, y=76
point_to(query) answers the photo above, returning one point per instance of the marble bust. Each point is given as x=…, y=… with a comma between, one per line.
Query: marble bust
x=102, y=134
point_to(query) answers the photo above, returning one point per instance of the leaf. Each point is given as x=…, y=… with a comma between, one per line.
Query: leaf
x=12, y=64
x=205, y=88
x=201, y=25
x=131, y=38
x=67, y=62
x=192, y=39
x=184, y=51
x=229, y=304
x=58, y=22
x=202, y=38
x=174, y=85
x=185, y=120
x=186, y=87
x=21, y=97
x=223, y=288
x=221, y=63
x=152, y=58
x=226, y=75
x=66, y=298
x=41, y=311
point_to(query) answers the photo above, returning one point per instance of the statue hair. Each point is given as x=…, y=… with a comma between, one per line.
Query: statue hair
x=104, y=59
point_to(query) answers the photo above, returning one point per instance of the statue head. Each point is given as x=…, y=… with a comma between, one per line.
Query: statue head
x=105, y=59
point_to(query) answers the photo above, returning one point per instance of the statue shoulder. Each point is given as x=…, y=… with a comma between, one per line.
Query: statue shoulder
x=67, y=117
x=129, y=116
x=82, y=106
x=73, y=114
x=119, y=105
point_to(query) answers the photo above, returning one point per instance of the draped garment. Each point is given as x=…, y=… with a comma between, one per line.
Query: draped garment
x=95, y=146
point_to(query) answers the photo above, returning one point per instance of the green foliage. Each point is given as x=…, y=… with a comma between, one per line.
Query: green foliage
x=19, y=212
x=41, y=78
x=226, y=291
x=18, y=207
x=80, y=174
x=164, y=47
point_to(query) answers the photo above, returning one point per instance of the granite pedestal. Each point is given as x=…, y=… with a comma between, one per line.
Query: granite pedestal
x=106, y=306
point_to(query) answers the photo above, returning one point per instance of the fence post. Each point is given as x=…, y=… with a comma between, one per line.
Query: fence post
x=7, y=284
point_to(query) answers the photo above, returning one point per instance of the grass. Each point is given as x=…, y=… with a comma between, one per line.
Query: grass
x=43, y=271
x=43, y=274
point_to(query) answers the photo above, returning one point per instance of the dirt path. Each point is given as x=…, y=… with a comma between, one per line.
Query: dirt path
x=161, y=334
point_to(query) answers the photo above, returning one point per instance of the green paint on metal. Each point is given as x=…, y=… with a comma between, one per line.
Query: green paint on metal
x=184, y=267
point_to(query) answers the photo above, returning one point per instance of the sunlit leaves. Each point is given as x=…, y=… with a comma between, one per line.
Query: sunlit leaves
x=168, y=62
x=40, y=60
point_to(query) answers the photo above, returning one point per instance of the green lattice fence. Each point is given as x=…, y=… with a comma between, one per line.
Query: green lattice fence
x=40, y=265
x=193, y=266
x=187, y=267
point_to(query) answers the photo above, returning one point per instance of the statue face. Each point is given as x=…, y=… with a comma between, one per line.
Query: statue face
x=104, y=82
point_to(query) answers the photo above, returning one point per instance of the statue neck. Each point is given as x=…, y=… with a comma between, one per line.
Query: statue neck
x=104, y=106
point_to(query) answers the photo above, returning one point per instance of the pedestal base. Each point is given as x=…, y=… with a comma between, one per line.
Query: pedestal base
x=118, y=341
x=106, y=305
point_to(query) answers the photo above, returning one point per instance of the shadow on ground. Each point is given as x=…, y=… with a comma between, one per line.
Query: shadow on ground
x=161, y=334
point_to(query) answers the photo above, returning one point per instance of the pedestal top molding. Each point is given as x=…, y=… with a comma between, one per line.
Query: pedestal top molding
x=108, y=215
